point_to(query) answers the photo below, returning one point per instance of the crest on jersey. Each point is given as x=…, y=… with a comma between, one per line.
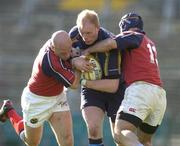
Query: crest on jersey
x=34, y=120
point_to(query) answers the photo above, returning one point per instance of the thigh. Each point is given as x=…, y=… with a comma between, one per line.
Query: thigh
x=93, y=115
x=33, y=135
x=112, y=125
x=144, y=138
x=121, y=125
x=124, y=132
x=61, y=124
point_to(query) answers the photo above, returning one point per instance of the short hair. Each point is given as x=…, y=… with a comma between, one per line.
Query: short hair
x=88, y=15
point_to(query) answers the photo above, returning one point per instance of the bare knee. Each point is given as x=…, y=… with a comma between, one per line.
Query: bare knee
x=67, y=140
x=94, y=130
x=29, y=141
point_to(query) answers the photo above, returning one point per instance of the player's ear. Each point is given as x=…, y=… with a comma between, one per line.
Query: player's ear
x=52, y=46
x=97, y=28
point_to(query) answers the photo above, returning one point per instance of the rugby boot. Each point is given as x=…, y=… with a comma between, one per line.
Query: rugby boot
x=5, y=108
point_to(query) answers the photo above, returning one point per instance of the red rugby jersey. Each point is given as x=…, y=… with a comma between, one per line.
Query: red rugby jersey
x=50, y=74
x=139, y=58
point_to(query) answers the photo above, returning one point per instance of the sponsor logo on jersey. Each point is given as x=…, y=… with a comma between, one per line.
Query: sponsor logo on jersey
x=63, y=103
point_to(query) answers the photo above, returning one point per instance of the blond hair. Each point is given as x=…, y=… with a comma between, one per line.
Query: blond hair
x=87, y=15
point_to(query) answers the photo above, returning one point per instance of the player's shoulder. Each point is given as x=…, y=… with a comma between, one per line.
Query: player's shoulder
x=73, y=33
x=105, y=33
x=131, y=35
x=136, y=33
x=46, y=47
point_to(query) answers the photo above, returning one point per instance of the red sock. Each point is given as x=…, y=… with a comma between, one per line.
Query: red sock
x=16, y=120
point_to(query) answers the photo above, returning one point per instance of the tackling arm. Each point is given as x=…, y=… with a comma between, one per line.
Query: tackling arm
x=75, y=84
x=104, y=85
x=102, y=46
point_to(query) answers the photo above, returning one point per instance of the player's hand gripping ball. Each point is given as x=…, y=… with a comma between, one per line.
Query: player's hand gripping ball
x=95, y=73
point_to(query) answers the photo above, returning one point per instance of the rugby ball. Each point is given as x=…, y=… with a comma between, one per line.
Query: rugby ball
x=95, y=73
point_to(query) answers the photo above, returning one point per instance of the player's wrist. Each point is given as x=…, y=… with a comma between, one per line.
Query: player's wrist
x=73, y=62
x=83, y=82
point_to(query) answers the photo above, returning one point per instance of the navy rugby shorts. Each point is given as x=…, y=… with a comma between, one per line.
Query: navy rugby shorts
x=108, y=102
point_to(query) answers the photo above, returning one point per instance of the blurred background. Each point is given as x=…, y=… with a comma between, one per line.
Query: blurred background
x=25, y=25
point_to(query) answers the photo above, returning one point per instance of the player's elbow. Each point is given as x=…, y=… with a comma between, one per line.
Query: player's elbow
x=111, y=44
x=74, y=85
x=114, y=90
x=114, y=86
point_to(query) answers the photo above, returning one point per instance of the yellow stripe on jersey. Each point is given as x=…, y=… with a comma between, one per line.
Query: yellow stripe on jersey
x=106, y=64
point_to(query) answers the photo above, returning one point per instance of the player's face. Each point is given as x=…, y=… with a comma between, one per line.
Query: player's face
x=65, y=52
x=89, y=32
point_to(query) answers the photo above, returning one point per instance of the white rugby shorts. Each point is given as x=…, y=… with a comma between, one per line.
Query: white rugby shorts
x=146, y=101
x=38, y=109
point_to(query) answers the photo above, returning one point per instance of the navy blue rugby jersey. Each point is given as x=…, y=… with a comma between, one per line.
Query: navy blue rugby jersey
x=110, y=62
